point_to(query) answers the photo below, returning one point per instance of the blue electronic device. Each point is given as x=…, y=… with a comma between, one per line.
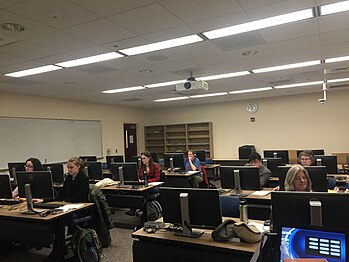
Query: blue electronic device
x=309, y=243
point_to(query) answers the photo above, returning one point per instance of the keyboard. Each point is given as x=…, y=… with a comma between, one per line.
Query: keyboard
x=46, y=205
x=10, y=201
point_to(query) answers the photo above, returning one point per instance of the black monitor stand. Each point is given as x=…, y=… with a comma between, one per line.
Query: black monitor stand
x=187, y=229
x=121, y=176
x=171, y=165
x=28, y=196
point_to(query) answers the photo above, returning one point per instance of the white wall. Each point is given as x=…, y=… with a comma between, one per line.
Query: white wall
x=289, y=122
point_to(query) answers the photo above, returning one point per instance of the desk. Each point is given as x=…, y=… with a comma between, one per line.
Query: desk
x=30, y=229
x=179, y=179
x=127, y=197
x=164, y=246
x=212, y=171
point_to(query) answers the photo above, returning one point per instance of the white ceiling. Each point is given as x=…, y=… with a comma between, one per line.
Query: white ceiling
x=57, y=31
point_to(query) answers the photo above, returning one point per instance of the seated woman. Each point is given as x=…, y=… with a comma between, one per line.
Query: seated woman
x=306, y=158
x=152, y=171
x=31, y=164
x=75, y=189
x=192, y=163
x=297, y=179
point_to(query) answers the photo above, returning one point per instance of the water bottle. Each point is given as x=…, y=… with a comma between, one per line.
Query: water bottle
x=243, y=211
x=145, y=177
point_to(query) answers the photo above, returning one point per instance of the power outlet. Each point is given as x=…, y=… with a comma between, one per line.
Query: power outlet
x=108, y=151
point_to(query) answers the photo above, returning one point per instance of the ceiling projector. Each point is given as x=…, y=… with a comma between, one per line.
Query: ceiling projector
x=192, y=85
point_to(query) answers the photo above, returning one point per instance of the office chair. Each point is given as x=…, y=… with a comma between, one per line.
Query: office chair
x=205, y=183
x=229, y=206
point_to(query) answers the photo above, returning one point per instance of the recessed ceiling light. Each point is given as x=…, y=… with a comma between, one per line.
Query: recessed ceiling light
x=171, y=99
x=34, y=71
x=250, y=90
x=12, y=27
x=125, y=89
x=289, y=66
x=250, y=53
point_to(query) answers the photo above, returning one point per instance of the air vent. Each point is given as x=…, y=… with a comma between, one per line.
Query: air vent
x=281, y=82
x=132, y=100
x=337, y=70
x=339, y=86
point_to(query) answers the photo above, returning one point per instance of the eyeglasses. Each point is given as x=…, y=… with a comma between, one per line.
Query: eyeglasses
x=144, y=158
x=305, y=158
x=27, y=166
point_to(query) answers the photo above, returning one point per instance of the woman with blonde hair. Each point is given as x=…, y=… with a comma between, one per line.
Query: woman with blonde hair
x=297, y=179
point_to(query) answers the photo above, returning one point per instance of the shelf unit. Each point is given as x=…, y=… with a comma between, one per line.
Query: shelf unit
x=179, y=138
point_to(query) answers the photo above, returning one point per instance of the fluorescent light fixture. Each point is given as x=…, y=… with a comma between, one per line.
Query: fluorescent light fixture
x=300, y=84
x=208, y=95
x=164, y=84
x=289, y=66
x=337, y=59
x=126, y=89
x=250, y=90
x=214, y=77
x=338, y=80
x=34, y=71
x=162, y=45
x=334, y=8
x=90, y=59
x=171, y=99
x=259, y=24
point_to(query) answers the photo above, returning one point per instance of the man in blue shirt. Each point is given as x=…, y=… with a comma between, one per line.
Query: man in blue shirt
x=192, y=163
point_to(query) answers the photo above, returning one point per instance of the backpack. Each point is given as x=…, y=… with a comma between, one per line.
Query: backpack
x=154, y=210
x=86, y=245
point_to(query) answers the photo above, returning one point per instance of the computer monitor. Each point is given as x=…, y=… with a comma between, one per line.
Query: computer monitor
x=315, y=152
x=5, y=187
x=154, y=156
x=201, y=155
x=114, y=159
x=293, y=208
x=18, y=166
x=204, y=206
x=40, y=182
x=272, y=164
x=312, y=242
x=94, y=170
x=317, y=174
x=178, y=160
x=279, y=153
x=57, y=171
x=130, y=172
x=89, y=158
x=249, y=177
x=330, y=162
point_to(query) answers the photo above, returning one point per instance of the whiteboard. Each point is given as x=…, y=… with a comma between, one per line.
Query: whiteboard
x=50, y=140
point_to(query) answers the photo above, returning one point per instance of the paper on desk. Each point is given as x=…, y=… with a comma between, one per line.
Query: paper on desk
x=155, y=183
x=192, y=172
x=68, y=207
x=260, y=193
x=259, y=226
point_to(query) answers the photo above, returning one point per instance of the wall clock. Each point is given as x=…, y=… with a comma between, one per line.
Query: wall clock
x=252, y=107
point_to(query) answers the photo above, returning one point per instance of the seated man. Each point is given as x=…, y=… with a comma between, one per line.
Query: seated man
x=255, y=159
x=192, y=163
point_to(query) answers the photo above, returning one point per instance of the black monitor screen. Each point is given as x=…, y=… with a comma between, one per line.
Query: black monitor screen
x=89, y=158
x=279, y=153
x=204, y=206
x=249, y=177
x=317, y=174
x=154, y=156
x=114, y=159
x=330, y=162
x=201, y=155
x=178, y=160
x=57, y=171
x=129, y=169
x=272, y=164
x=315, y=152
x=40, y=183
x=18, y=166
x=5, y=187
x=94, y=170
